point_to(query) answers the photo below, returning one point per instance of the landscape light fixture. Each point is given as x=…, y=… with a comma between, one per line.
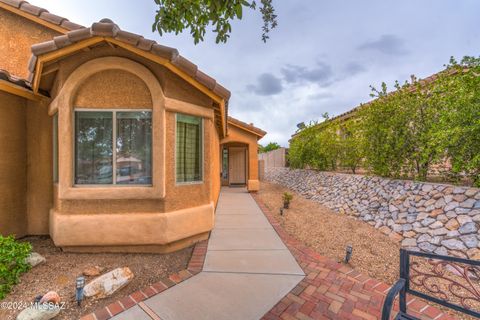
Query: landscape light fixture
x=79, y=284
x=348, y=253
x=281, y=211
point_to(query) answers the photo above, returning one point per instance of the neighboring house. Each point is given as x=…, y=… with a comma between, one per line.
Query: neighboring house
x=112, y=142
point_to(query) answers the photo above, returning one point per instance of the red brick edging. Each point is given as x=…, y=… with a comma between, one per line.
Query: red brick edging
x=194, y=267
x=331, y=290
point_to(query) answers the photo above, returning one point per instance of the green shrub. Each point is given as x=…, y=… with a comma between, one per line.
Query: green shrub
x=12, y=262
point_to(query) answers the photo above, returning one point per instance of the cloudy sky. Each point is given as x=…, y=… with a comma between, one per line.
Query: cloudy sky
x=323, y=56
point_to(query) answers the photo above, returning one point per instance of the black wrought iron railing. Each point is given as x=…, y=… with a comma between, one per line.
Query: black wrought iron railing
x=449, y=281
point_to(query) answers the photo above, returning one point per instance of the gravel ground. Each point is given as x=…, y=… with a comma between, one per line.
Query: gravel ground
x=329, y=233
x=61, y=269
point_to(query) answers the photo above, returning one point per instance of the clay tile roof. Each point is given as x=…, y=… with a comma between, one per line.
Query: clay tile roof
x=42, y=14
x=6, y=76
x=107, y=28
x=247, y=126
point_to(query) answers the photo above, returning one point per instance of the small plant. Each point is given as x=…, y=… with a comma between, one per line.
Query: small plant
x=287, y=197
x=12, y=262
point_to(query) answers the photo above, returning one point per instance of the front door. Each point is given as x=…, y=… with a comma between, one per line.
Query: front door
x=237, y=165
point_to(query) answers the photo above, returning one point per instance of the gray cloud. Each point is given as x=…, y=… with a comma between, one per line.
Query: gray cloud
x=267, y=85
x=387, y=44
x=353, y=68
x=321, y=74
x=320, y=96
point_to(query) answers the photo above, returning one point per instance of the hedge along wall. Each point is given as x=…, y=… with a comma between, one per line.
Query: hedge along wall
x=438, y=218
x=411, y=132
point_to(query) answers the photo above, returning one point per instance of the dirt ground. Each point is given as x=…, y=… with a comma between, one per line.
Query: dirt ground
x=61, y=269
x=328, y=233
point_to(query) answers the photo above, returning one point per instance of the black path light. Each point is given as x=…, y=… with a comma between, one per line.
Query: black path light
x=348, y=253
x=79, y=284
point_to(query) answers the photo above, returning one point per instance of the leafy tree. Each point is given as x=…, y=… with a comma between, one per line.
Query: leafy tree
x=350, y=145
x=196, y=15
x=269, y=147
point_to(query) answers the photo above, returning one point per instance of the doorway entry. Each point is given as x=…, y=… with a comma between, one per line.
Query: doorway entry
x=237, y=166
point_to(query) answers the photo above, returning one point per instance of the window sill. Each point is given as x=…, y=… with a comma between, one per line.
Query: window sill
x=179, y=184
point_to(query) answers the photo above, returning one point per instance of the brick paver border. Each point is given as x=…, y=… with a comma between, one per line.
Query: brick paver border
x=332, y=290
x=194, y=267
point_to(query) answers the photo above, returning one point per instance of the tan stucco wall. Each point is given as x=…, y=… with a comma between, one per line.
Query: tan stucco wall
x=17, y=35
x=39, y=167
x=181, y=211
x=237, y=135
x=13, y=164
x=113, y=88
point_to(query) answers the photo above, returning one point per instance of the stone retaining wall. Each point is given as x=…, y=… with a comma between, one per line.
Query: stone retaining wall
x=438, y=218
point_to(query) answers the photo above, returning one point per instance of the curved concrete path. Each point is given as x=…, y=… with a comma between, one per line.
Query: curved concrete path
x=247, y=270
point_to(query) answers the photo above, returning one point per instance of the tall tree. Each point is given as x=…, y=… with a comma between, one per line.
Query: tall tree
x=196, y=15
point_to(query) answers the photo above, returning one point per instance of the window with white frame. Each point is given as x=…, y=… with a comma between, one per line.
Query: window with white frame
x=113, y=147
x=189, y=149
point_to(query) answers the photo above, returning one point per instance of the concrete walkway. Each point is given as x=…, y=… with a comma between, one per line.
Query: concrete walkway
x=247, y=270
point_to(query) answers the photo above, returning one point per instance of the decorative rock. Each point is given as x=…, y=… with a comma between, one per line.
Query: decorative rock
x=463, y=219
x=469, y=203
x=469, y=227
x=47, y=308
x=436, y=240
x=424, y=238
x=452, y=224
x=34, y=259
x=395, y=237
x=41, y=312
x=458, y=190
x=425, y=246
x=440, y=232
x=470, y=240
x=453, y=244
x=108, y=283
x=428, y=221
x=436, y=212
x=471, y=192
x=385, y=230
x=409, y=242
x=436, y=225
x=440, y=203
x=451, y=206
x=453, y=234
x=473, y=254
x=93, y=271
x=427, y=188
x=441, y=251
x=409, y=234
x=477, y=204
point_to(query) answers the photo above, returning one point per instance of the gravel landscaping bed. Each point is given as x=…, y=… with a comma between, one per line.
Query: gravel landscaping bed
x=61, y=269
x=329, y=233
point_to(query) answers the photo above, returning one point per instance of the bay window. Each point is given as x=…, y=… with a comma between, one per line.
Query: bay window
x=113, y=147
x=189, y=149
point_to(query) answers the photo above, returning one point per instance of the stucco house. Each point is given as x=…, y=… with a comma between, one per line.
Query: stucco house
x=110, y=141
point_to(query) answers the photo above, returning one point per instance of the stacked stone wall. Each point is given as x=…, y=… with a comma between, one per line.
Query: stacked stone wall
x=436, y=218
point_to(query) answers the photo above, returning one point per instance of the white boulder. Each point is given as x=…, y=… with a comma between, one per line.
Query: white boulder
x=107, y=284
